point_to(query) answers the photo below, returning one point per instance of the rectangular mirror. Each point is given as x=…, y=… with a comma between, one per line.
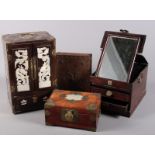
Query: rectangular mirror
x=117, y=57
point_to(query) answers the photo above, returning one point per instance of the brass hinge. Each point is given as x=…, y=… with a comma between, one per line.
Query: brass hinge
x=49, y=104
x=35, y=99
x=53, y=52
x=92, y=107
x=12, y=88
x=55, y=82
x=9, y=57
x=140, y=78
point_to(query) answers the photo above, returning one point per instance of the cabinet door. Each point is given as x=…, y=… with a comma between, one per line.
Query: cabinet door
x=20, y=68
x=43, y=63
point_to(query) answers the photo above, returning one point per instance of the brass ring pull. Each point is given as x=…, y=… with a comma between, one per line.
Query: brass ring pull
x=108, y=93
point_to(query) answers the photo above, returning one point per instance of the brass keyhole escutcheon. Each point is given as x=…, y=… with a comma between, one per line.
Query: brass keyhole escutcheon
x=69, y=116
x=108, y=93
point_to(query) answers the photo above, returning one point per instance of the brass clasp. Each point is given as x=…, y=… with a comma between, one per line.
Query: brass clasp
x=69, y=116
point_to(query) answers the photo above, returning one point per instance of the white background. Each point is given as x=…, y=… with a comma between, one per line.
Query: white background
x=74, y=10
x=81, y=36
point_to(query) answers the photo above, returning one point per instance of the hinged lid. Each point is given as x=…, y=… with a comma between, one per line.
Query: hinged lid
x=125, y=33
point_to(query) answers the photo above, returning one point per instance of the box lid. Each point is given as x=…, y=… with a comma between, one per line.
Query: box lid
x=81, y=101
x=27, y=37
x=73, y=71
x=125, y=33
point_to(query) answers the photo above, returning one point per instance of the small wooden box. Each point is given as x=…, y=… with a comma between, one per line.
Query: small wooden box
x=30, y=66
x=73, y=109
x=119, y=97
x=73, y=71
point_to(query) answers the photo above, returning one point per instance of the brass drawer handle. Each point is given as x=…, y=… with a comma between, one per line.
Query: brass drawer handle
x=108, y=93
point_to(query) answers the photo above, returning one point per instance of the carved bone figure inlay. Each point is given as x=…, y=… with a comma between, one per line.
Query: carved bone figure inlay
x=44, y=73
x=21, y=66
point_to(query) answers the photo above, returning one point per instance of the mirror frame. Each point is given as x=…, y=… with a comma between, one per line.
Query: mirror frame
x=124, y=34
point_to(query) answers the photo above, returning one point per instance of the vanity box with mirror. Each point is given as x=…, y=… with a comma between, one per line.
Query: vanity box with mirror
x=121, y=73
x=30, y=65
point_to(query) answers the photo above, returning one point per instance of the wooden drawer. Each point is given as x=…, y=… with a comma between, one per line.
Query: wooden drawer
x=30, y=102
x=113, y=106
x=113, y=84
x=111, y=94
x=22, y=104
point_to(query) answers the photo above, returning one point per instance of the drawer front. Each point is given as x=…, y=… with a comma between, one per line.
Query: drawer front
x=102, y=82
x=22, y=104
x=112, y=107
x=25, y=103
x=111, y=94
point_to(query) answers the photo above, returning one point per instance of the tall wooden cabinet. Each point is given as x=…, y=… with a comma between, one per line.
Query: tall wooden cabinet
x=30, y=67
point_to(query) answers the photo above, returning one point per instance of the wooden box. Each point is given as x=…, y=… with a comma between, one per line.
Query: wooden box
x=73, y=71
x=73, y=109
x=30, y=66
x=119, y=97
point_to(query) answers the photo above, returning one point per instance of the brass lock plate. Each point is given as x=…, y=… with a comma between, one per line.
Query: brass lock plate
x=69, y=115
